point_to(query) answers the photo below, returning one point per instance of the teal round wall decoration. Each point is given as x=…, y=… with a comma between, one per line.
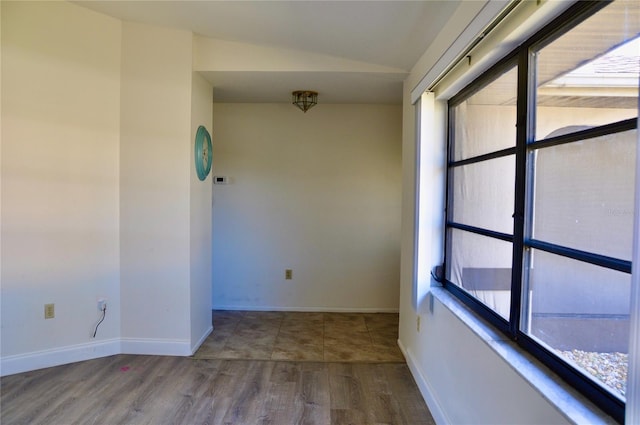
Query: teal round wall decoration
x=203, y=153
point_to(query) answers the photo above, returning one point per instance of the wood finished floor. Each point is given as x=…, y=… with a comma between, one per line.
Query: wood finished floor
x=128, y=389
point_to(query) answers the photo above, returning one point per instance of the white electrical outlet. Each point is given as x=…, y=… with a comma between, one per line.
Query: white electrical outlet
x=102, y=304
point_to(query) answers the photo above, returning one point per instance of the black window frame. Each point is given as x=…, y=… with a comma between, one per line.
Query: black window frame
x=522, y=57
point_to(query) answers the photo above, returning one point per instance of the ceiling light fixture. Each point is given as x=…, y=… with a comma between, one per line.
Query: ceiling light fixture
x=304, y=99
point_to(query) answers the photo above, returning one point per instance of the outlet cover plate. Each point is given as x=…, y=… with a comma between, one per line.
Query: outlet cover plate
x=49, y=311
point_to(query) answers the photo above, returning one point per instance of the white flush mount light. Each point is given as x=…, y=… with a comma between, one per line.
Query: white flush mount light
x=304, y=99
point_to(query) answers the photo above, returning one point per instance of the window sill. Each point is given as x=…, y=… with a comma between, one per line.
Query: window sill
x=571, y=404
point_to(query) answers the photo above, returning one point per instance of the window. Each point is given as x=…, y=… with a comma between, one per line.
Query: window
x=540, y=191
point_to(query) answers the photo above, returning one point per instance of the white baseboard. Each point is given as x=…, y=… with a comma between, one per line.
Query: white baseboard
x=58, y=356
x=307, y=309
x=425, y=389
x=11, y=365
x=204, y=336
x=155, y=347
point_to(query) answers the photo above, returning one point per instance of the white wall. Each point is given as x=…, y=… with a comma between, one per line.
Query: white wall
x=60, y=142
x=201, y=197
x=155, y=159
x=98, y=195
x=470, y=383
x=318, y=193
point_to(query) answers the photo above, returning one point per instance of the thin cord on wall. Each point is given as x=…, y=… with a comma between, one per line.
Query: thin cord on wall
x=104, y=314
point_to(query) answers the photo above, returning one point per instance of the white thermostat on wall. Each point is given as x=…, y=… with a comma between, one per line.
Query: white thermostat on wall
x=220, y=179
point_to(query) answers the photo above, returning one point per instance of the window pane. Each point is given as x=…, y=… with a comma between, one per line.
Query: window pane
x=584, y=192
x=589, y=76
x=486, y=122
x=482, y=266
x=581, y=312
x=483, y=194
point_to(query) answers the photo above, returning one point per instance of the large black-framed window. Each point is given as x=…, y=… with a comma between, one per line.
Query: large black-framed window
x=540, y=195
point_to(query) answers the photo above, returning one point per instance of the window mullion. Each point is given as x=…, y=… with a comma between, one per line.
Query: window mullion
x=523, y=126
x=451, y=116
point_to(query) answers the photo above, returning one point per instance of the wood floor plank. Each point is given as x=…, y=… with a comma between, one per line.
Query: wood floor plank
x=282, y=401
x=137, y=377
x=248, y=403
x=134, y=376
x=48, y=405
x=315, y=394
x=411, y=406
x=219, y=394
x=381, y=406
x=169, y=399
x=282, y=404
x=177, y=390
x=347, y=417
x=347, y=404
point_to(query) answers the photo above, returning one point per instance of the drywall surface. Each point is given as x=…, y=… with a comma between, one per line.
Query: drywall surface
x=470, y=383
x=200, y=208
x=318, y=193
x=60, y=141
x=222, y=55
x=155, y=161
x=98, y=119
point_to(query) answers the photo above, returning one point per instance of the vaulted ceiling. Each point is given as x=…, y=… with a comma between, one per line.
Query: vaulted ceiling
x=375, y=43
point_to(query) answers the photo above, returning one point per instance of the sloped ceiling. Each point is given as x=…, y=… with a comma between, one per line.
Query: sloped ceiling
x=384, y=38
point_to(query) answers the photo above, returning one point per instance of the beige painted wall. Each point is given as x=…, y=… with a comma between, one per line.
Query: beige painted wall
x=200, y=225
x=60, y=143
x=98, y=199
x=155, y=183
x=318, y=193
